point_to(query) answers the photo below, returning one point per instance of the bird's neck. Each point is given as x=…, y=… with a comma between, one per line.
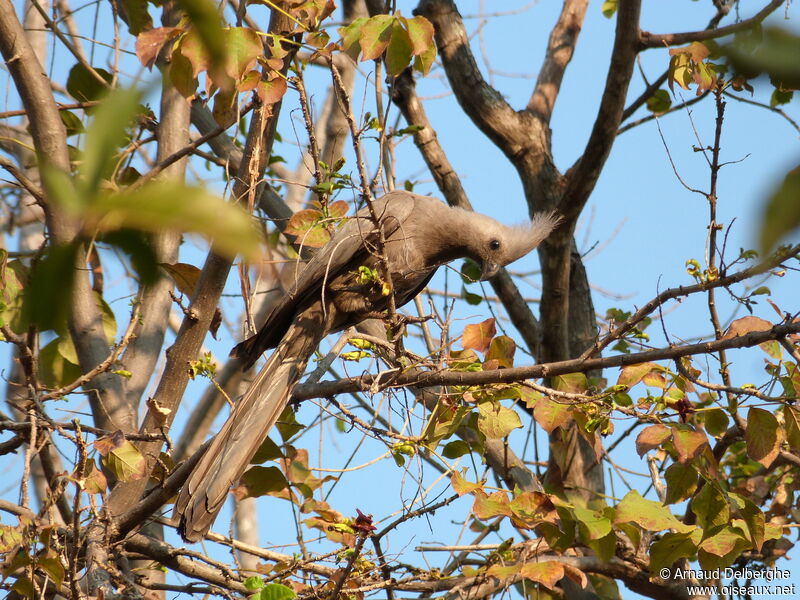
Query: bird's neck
x=451, y=235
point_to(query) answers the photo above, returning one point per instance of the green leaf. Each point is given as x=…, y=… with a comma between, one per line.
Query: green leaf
x=648, y=514
x=106, y=133
x=206, y=21
x=254, y=582
x=780, y=97
x=724, y=542
x=470, y=271
x=420, y=32
x=84, y=87
x=47, y=296
x=287, y=424
x=791, y=419
x=605, y=547
x=242, y=48
x=351, y=36
x=138, y=247
x=715, y=421
x=398, y=53
x=375, y=36
x=137, y=17
x=171, y=205
x=424, y=61
x=710, y=507
x=126, y=462
x=671, y=547
x=681, y=482
x=782, y=212
x=753, y=518
x=274, y=591
x=659, y=102
x=55, y=370
x=501, y=352
x=455, y=449
x=497, y=421
x=52, y=566
x=268, y=450
x=593, y=524
x=472, y=299
x=72, y=124
x=573, y=383
x=260, y=481
x=13, y=275
x=609, y=7
x=182, y=75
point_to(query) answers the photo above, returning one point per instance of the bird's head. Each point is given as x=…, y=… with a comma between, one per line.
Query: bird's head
x=501, y=244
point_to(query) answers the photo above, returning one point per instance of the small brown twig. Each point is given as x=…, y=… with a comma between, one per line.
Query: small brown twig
x=104, y=365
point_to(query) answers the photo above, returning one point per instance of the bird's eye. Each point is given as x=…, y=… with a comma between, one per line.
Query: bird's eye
x=494, y=245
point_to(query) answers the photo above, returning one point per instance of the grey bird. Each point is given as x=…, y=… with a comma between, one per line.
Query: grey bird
x=331, y=293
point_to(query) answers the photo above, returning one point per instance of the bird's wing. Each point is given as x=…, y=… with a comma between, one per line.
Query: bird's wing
x=346, y=250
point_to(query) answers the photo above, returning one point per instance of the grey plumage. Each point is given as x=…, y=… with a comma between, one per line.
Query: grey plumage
x=421, y=234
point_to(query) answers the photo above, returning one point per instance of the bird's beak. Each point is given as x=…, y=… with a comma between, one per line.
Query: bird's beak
x=489, y=270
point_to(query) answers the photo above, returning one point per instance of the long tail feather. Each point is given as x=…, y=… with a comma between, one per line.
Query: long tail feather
x=204, y=493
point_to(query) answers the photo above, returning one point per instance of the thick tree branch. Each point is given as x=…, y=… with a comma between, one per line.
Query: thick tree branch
x=177, y=560
x=560, y=49
x=582, y=177
x=173, y=135
x=483, y=104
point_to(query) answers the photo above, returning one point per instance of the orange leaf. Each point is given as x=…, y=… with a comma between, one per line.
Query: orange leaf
x=763, y=436
x=689, y=444
x=651, y=437
x=479, y=336
x=746, y=325
x=548, y=573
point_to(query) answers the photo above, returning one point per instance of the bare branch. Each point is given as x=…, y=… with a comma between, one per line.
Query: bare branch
x=656, y=40
x=485, y=105
x=582, y=177
x=560, y=49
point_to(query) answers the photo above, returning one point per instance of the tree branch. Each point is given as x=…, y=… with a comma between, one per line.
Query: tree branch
x=560, y=49
x=582, y=177
x=659, y=40
x=173, y=136
x=435, y=378
x=483, y=104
